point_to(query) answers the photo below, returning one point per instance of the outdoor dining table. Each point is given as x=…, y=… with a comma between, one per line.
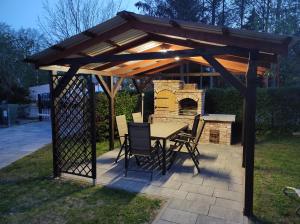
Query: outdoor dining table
x=164, y=131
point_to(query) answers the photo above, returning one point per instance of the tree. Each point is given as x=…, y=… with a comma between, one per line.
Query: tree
x=70, y=17
x=253, y=22
x=188, y=10
x=15, y=75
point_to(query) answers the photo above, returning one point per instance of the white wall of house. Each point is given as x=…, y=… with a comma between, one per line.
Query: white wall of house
x=40, y=89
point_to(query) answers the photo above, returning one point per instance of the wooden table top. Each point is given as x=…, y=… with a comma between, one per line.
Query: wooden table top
x=165, y=130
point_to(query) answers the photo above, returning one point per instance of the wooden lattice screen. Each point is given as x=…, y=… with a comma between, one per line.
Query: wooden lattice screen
x=73, y=123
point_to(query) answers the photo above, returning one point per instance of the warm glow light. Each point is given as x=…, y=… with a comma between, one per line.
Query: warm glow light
x=177, y=58
x=163, y=50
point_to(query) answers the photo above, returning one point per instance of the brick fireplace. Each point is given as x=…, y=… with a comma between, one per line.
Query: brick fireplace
x=175, y=101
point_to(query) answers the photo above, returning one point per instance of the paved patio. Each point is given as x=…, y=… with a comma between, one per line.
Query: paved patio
x=214, y=196
x=20, y=140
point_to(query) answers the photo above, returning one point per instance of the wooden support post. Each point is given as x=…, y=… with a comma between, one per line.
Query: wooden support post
x=250, y=133
x=93, y=128
x=110, y=90
x=56, y=171
x=211, y=82
x=111, y=114
x=142, y=111
x=244, y=129
x=201, y=82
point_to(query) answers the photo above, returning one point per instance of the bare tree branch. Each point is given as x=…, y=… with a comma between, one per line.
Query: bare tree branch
x=69, y=17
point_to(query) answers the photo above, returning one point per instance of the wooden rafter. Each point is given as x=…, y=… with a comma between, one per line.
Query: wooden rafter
x=262, y=45
x=235, y=66
x=146, y=68
x=227, y=75
x=139, y=64
x=85, y=44
x=240, y=52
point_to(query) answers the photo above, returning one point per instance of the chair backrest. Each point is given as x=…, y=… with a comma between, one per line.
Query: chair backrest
x=137, y=117
x=139, y=138
x=195, y=125
x=122, y=127
x=199, y=131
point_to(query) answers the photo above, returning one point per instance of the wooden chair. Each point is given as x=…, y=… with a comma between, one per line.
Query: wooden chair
x=139, y=145
x=137, y=117
x=191, y=144
x=123, y=131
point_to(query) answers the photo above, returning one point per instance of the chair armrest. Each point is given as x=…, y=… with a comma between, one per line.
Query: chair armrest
x=184, y=134
x=179, y=140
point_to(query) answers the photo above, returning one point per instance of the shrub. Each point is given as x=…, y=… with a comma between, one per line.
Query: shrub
x=125, y=103
x=277, y=108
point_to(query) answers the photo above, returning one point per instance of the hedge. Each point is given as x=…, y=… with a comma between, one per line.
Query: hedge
x=125, y=103
x=277, y=108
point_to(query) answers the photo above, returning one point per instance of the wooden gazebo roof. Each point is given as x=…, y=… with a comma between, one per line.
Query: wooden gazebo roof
x=129, y=33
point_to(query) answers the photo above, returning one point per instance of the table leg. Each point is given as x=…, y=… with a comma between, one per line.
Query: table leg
x=164, y=156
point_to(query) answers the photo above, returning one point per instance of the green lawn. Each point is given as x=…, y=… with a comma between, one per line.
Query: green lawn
x=277, y=164
x=28, y=194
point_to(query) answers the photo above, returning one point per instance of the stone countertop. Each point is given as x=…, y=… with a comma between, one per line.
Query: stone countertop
x=219, y=117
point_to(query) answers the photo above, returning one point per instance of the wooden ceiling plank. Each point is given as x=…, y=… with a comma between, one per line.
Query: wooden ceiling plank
x=86, y=44
x=146, y=68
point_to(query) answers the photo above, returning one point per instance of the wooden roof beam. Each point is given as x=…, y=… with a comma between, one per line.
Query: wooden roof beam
x=140, y=63
x=85, y=44
x=142, y=56
x=261, y=45
x=120, y=49
x=146, y=68
x=190, y=43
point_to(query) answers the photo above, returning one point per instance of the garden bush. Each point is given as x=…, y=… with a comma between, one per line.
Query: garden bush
x=277, y=108
x=125, y=103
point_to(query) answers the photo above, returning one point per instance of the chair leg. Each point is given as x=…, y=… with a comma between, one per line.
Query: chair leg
x=137, y=161
x=119, y=154
x=196, y=162
x=175, y=155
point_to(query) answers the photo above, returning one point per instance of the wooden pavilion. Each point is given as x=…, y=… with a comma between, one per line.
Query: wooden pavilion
x=138, y=47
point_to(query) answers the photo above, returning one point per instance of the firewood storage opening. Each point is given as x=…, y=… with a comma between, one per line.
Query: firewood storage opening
x=214, y=136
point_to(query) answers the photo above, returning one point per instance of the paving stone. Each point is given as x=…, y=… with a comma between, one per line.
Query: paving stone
x=236, y=187
x=231, y=195
x=226, y=213
x=202, y=219
x=172, y=184
x=163, y=222
x=195, y=206
x=204, y=198
x=196, y=188
x=219, y=184
x=177, y=216
x=229, y=204
x=165, y=192
x=187, y=178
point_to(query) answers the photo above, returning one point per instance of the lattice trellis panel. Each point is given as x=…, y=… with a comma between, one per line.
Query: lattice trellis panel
x=74, y=150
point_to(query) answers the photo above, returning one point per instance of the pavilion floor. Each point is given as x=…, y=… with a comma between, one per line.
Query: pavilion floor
x=216, y=195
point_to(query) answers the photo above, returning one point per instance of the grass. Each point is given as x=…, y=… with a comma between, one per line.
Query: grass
x=28, y=194
x=277, y=164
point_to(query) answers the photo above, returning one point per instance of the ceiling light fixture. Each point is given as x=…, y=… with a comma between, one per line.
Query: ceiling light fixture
x=164, y=48
x=177, y=58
